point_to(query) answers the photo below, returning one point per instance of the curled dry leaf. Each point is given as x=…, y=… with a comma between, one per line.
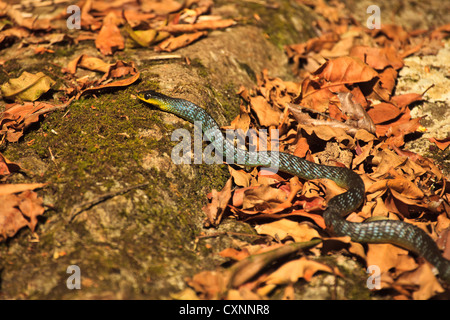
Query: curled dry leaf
x=441, y=143
x=293, y=270
x=28, y=87
x=109, y=38
x=7, y=167
x=215, y=209
x=115, y=84
x=18, y=117
x=345, y=70
x=378, y=58
x=358, y=117
x=174, y=43
x=19, y=207
x=284, y=228
x=87, y=62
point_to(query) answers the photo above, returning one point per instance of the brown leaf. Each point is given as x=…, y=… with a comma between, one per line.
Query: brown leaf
x=425, y=281
x=267, y=115
x=209, y=284
x=346, y=70
x=358, y=117
x=199, y=26
x=388, y=256
x=406, y=99
x=293, y=270
x=181, y=41
x=383, y=112
x=234, y=254
x=378, y=58
x=283, y=228
x=87, y=62
x=116, y=84
x=18, y=211
x=264, y=197
x=7, y=167
x=109, y=38
x=160, y=7
x=441, y=143
x=219, y=200
x=7, y=189
x=17, y=117
x=391, y=33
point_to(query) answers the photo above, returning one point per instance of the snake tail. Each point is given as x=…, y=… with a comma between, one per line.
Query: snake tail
x=383, y=231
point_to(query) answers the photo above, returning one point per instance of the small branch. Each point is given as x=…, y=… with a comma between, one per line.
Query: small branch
x=77, y=209
x=226, y=233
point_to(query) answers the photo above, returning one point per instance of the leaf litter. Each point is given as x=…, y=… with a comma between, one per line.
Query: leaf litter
x=344, y=112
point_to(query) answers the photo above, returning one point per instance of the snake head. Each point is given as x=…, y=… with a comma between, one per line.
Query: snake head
x=154, y=98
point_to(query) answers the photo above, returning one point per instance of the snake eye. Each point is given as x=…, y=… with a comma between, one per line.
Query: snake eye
x=147, y=96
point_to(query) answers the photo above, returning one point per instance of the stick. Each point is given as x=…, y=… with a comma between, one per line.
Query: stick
x=77, y=209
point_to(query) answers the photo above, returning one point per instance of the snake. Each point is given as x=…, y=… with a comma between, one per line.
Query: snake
x=396, y=232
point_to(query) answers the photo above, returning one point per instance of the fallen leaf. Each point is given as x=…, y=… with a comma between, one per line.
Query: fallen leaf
x=116, y=84
x=378, y=58
x=109, y=38
x=219, y=200
x=161, y=7
x=7, y=167
x=28, y=87
x=345, y=70
x=199, y=26
x=18, y=211
x=441, y=143
x=18, y=117
x=87, y=62
x=6, y=189
x=174, y=43
x=383, y=112
x=283, y=228
x=293, y=270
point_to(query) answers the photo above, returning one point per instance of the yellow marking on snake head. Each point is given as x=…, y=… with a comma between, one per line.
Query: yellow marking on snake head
x=154, y=98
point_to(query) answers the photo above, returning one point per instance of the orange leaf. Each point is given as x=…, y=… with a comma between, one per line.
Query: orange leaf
x=346, y=70
x=441, y=143
x=383, y=112
x=109, y=38
x=378, y=58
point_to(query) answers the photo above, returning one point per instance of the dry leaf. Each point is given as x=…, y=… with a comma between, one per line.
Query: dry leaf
x=219, y=200
x=345, y=70
x=18, y=211
x=283, y=228
x=109, y=38
x=200, y=26
x=181, y=41
x=28, y=87
x=293, y=270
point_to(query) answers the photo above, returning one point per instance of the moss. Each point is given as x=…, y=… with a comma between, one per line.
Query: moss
x=248, y=70
x=285, y=25
x=197, y=64
x=65, y=51
x=92, y=143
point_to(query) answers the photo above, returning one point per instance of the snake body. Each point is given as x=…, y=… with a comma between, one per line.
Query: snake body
x=383, y=231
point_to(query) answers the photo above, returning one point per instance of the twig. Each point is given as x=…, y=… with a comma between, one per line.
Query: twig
x=247, y=268
x=77, y=209
x=165, y=57
x=47, y=110
x=226, y=233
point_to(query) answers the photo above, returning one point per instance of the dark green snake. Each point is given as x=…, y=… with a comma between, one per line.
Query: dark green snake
x=383, y=231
